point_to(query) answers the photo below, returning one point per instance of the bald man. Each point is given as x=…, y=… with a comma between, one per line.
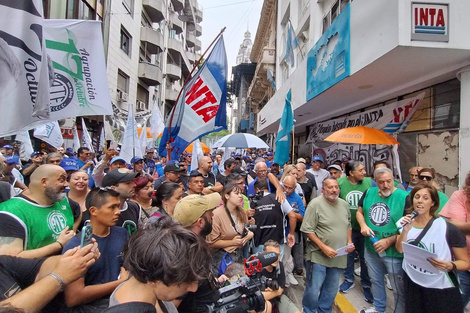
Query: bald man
x=210, y=182
x=38, y=222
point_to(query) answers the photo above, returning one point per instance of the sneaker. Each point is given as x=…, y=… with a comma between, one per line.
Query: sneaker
x=368, y=297
x=346, y=286
x=291, y=279
x=370, y=310
x=357, y=271
x=387, y=282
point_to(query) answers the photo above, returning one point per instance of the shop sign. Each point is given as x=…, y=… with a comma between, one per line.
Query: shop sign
x=429, y=21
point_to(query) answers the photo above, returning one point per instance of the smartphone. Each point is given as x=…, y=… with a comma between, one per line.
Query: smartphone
x=87, y=234
x=130, y=226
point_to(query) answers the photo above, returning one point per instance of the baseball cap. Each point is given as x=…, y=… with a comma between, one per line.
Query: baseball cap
x=192, y=207
x=173, y=167
x=69, y=150
x=239, y=170
x=301, y=160
x=117, y=159
x=7, y=147
x=135, y=160
x=14, y=159
x=117, y=176
x=335, y=166
x=269, y=154
x=69, y=164
x=317, y=158
x=35, y=153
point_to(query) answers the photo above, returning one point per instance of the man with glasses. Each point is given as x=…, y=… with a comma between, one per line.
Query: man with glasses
x=85, y=164
x=261, y=171
x=427, y=175
x=414, y=178
x=352, y=187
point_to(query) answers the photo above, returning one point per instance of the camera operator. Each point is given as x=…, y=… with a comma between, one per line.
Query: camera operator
x=273, y=277
x=269, y=218
x=229, y=234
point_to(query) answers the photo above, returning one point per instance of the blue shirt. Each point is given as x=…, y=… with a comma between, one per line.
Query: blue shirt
x=297, y=205
x=251, y=187
x=88, y=170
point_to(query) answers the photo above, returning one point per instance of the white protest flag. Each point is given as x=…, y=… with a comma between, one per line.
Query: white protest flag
x=130, y=138
x=50, y=133
x=142, y=142
x=80, y=79
x=102, y=142
x=24, y=83
x=197, y=153
x=86, y=137
x=76, y=139
x=26, y=147
x=156, y=121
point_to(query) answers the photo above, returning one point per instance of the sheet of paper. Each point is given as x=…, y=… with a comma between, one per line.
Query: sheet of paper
x=342, y=251
x=418, y=257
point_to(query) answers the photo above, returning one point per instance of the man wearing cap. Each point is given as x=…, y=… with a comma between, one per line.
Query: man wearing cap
x=149, y=163
x=335, y=171
x=8, y=150
x=270, y=159
x=194, y=212
x=37, y=159
x=210, y=182
x=122, y=181
x=137, y=164
x=38, y=222
x=14, y=179
x=229, y=164
x=319, y=173
x=109, y=161
x=85, y=164
x=173, y=172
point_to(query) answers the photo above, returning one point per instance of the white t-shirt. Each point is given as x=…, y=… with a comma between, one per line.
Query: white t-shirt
x=320, y=176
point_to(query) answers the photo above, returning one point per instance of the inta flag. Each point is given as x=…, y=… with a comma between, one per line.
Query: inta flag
x=281, y=156
x=201, y=107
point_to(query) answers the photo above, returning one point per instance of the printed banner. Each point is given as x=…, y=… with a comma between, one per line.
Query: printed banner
x=50, y=133
x=391, y=118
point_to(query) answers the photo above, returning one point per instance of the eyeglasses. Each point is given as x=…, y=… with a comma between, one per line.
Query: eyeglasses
x=427, y=178
x=289, y=188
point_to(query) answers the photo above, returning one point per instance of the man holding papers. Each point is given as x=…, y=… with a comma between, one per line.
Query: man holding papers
x=434, y=249
x=327, y=225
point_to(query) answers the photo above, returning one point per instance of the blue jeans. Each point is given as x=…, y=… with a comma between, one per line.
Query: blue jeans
x=378, y=267
x=464, y=280
x=358, y=241
x=321, y=289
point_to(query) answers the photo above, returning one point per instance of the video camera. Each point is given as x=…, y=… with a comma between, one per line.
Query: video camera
x=255, y=198
x=247, y=228
x=245, y=294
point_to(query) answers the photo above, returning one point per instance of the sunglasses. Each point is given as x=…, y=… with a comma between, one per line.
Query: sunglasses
x=427, y=178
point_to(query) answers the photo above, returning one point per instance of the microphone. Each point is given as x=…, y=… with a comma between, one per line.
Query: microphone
x=414, y=214
x=258, y=261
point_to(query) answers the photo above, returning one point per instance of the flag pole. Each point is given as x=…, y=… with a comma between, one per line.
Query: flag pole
x=168, y=144
x=293, y=142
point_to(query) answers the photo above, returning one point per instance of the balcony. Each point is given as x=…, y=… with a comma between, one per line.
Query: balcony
x=198, y=14
x=153, y=38
x=190, y=39
x=191, y=56
x=174, y=47
x=171, y=94
x=150, y=74
x=178, y=5
x=173, y=71
x=155, y=9
x=176, y=22
x=268, y=56
x=198, y=45
x=198, y=30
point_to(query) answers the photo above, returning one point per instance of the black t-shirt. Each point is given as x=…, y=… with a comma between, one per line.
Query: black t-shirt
x=277, y=274
x=132, y=307
x=196, y=302
x=209, y=179
x=17, y=274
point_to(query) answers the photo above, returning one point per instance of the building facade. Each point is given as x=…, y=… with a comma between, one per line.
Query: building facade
x=355, y=56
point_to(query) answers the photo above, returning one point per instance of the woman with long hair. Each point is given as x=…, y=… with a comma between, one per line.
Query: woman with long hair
x=166, y=197
x=457, y=212
x=229, y=234
x=143, y=197
x=438, y=290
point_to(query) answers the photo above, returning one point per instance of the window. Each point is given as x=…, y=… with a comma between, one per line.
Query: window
x=122, y=82
x=333, y=13
x=125, y=41
x=129, y=6
x=142, y=98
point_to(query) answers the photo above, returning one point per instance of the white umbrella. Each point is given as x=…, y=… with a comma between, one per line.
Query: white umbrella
x=241, y=141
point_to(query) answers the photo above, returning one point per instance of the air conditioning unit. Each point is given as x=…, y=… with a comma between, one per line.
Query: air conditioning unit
x=141, y=105
x=122, y=96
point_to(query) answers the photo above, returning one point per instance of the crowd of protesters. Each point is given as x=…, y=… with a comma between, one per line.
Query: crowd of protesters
x=87, y=233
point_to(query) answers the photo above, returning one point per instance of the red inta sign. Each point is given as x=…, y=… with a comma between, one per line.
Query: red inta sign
x=429, y=22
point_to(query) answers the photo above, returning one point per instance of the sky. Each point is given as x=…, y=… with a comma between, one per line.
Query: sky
x=237, y=15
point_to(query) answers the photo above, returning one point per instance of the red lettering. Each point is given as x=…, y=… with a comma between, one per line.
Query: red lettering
x=208, y=113
x=209, y=97
x=416, y=16
x=440, y=21
x=423, y=16
x=196, y=91
x=396, y=115
x=432, y=12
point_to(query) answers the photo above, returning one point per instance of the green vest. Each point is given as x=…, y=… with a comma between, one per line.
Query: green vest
x=42, y=224
x=352, y=194
x=381, y=214
x=442, y=200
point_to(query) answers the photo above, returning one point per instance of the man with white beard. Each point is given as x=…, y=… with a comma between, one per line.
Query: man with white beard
x=37, y=223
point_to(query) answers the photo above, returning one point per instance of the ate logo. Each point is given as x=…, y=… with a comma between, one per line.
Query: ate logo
x=353, y=198
x=200, y=99
x=379, y=214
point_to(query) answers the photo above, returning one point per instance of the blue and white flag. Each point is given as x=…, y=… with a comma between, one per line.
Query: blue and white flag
x=130, y=140
x=270, y=77
x=281, y=156
x=86, y=138
x=291, y=44
x=156, y=121
x=50, y=133
x=201, y=108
